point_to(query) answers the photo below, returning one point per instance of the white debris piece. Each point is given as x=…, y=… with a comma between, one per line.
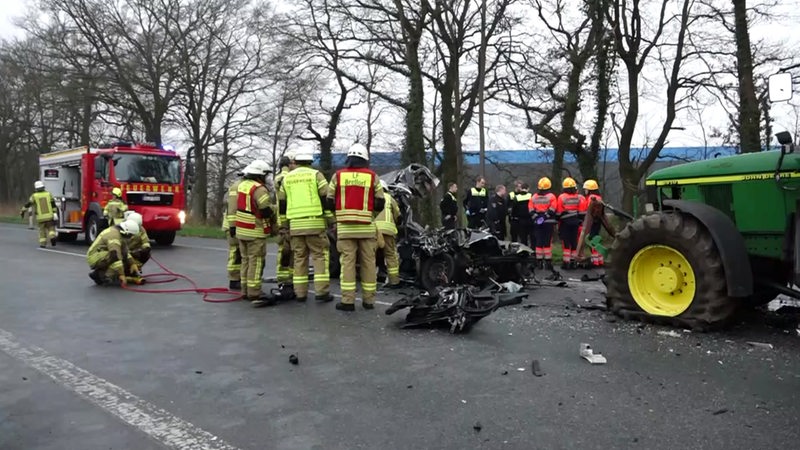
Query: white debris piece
x=588, y=354
x=670, y=333
x=763, y=345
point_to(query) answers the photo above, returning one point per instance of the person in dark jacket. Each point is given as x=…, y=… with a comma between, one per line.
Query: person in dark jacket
x=449, y=207
x=498, y=212
x=476, y=204
x=519, y=216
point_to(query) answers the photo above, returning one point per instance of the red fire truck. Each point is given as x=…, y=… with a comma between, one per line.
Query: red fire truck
x=81, y=181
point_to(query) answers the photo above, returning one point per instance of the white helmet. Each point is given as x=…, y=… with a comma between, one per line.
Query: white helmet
x=38, y=185
x=257, y=167
x=303, y=156
x=134, y=216
x=128, y=227
x=359, y=151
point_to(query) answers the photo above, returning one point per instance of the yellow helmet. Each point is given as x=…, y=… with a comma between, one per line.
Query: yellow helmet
x=544, y=184
x=116, y=192
x=591, y=185
x=568, y=183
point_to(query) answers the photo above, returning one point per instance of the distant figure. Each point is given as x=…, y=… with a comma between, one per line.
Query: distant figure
x=114, y=212
x=591, y=190
x=44, y=207
x=519, y=216
x=449, y=207
x=542, y=208
x=570, y=209
x=498, y=212
x=476, y=203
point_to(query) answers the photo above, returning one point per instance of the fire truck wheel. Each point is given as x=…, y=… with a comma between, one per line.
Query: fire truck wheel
x=92, y=228
x=165, y=238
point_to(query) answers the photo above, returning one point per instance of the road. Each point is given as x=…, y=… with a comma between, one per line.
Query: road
x=91, y=367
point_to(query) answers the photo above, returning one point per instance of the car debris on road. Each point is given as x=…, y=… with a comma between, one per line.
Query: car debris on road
x=588, y=354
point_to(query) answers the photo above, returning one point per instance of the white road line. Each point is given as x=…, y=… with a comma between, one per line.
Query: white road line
x=159, y=424
x=217, y=249
x=49, y=250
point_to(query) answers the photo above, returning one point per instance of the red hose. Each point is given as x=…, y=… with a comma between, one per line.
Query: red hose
x=169, y=276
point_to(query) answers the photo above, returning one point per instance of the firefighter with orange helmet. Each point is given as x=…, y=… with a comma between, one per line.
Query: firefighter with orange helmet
x=570, y=209
x=357, y=196
x=542, y=208
x=591, y=190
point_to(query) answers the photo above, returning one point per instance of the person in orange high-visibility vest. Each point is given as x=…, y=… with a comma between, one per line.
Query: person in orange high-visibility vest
x=591, y=191
x=542, y=208
x=570, y=210
x=357, y=196
x=251, y=228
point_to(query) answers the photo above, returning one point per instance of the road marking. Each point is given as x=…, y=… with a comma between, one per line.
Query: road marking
x=49, y=250
x=217, y=249
x=157, y=423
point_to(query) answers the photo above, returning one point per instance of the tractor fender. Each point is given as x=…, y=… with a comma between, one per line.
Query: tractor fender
x=729, y=242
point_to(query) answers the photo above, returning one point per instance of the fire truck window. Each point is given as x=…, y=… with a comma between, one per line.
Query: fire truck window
x=147, y=169
x=100, y=168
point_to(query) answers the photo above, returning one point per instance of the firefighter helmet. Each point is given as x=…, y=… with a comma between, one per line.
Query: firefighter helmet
x=304, y=156
x=134, y=216
x=358, y=150
x=591, y=185
x=116, y=192
x=568, y=183
x=544, y=184
x=38, y=185
x=128, y=227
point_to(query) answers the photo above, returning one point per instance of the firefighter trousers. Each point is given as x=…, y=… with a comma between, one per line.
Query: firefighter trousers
x=391, y=258
x=107, y=264
x=234, y=259
x=568, y=231
x=47, y=231
x=543, y=240
x=362, y=251
x=253, y=254
x=318, y=248
x=285, y=257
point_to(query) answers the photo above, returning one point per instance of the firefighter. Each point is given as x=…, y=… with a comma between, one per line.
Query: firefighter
x=302, y=200
x=449, y=207
x=542, y=208
x=570, y=210
x=115, y=208
x=252, y=225
x=476, y=204
x=139, y=243
x=44, y=207
x=387, y=226
x=109, y=258
x=284, y=265
x=357, y=195
x=234, y=264
x=591, y=190
x=498, y=212
x=519, y=216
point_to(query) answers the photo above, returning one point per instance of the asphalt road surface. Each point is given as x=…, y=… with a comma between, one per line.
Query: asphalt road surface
x=89, y=367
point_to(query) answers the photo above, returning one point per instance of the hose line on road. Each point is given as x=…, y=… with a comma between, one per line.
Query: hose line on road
x=168, y=276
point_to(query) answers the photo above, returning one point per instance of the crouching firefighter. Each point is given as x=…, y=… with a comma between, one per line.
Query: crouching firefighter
x=109, y=258
x=139, y=243
x=302, y=199
x=252, y=226
x=44, y=208
x=357, y=195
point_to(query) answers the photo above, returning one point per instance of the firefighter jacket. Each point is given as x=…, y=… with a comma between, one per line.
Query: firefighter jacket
x=278, y=183
x=449, y=205
x=570, y=205
x=476, y=201
x=543, y=205
x=115, y=211
x=230, y=209
x=357, y=195
x=595, y=197
x=387, y=219
x=110, y=243
x=253, y=211
x=43, y=205
x=139, y=241
x=301, y=199
x=518, y=206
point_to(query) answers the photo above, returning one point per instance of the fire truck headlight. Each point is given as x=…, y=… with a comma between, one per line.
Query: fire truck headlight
x=182, y=217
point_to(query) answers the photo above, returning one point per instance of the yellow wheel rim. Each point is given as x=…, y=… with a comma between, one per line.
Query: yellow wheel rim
x=661, y=280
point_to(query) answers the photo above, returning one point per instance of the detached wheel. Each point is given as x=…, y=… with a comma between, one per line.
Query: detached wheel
x=667, y=269
x=437, y=271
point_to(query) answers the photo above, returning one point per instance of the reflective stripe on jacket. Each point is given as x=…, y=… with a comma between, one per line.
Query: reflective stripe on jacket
x=249, y=223
x=354, y=195
x=541, y=203
x=386, y=218
x=42, y=203
x=301, y=189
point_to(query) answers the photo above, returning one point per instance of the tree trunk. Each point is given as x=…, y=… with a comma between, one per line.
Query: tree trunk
x=414, y=151
x=200, y=187
x=749, y=115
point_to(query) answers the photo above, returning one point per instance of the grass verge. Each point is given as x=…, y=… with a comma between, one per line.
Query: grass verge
x=11, y=219
x=200, y=230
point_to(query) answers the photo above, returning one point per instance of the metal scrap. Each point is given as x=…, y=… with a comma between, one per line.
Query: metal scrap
x=588, y=354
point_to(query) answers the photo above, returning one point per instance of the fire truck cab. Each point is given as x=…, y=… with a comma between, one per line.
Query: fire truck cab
x=81, y=181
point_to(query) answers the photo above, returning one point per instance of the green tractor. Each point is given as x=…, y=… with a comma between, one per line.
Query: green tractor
x=718, y=235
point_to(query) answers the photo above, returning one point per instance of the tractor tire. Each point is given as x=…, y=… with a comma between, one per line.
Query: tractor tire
x=658, y=256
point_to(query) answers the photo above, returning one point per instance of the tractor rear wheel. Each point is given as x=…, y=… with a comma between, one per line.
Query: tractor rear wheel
x=667, y=269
